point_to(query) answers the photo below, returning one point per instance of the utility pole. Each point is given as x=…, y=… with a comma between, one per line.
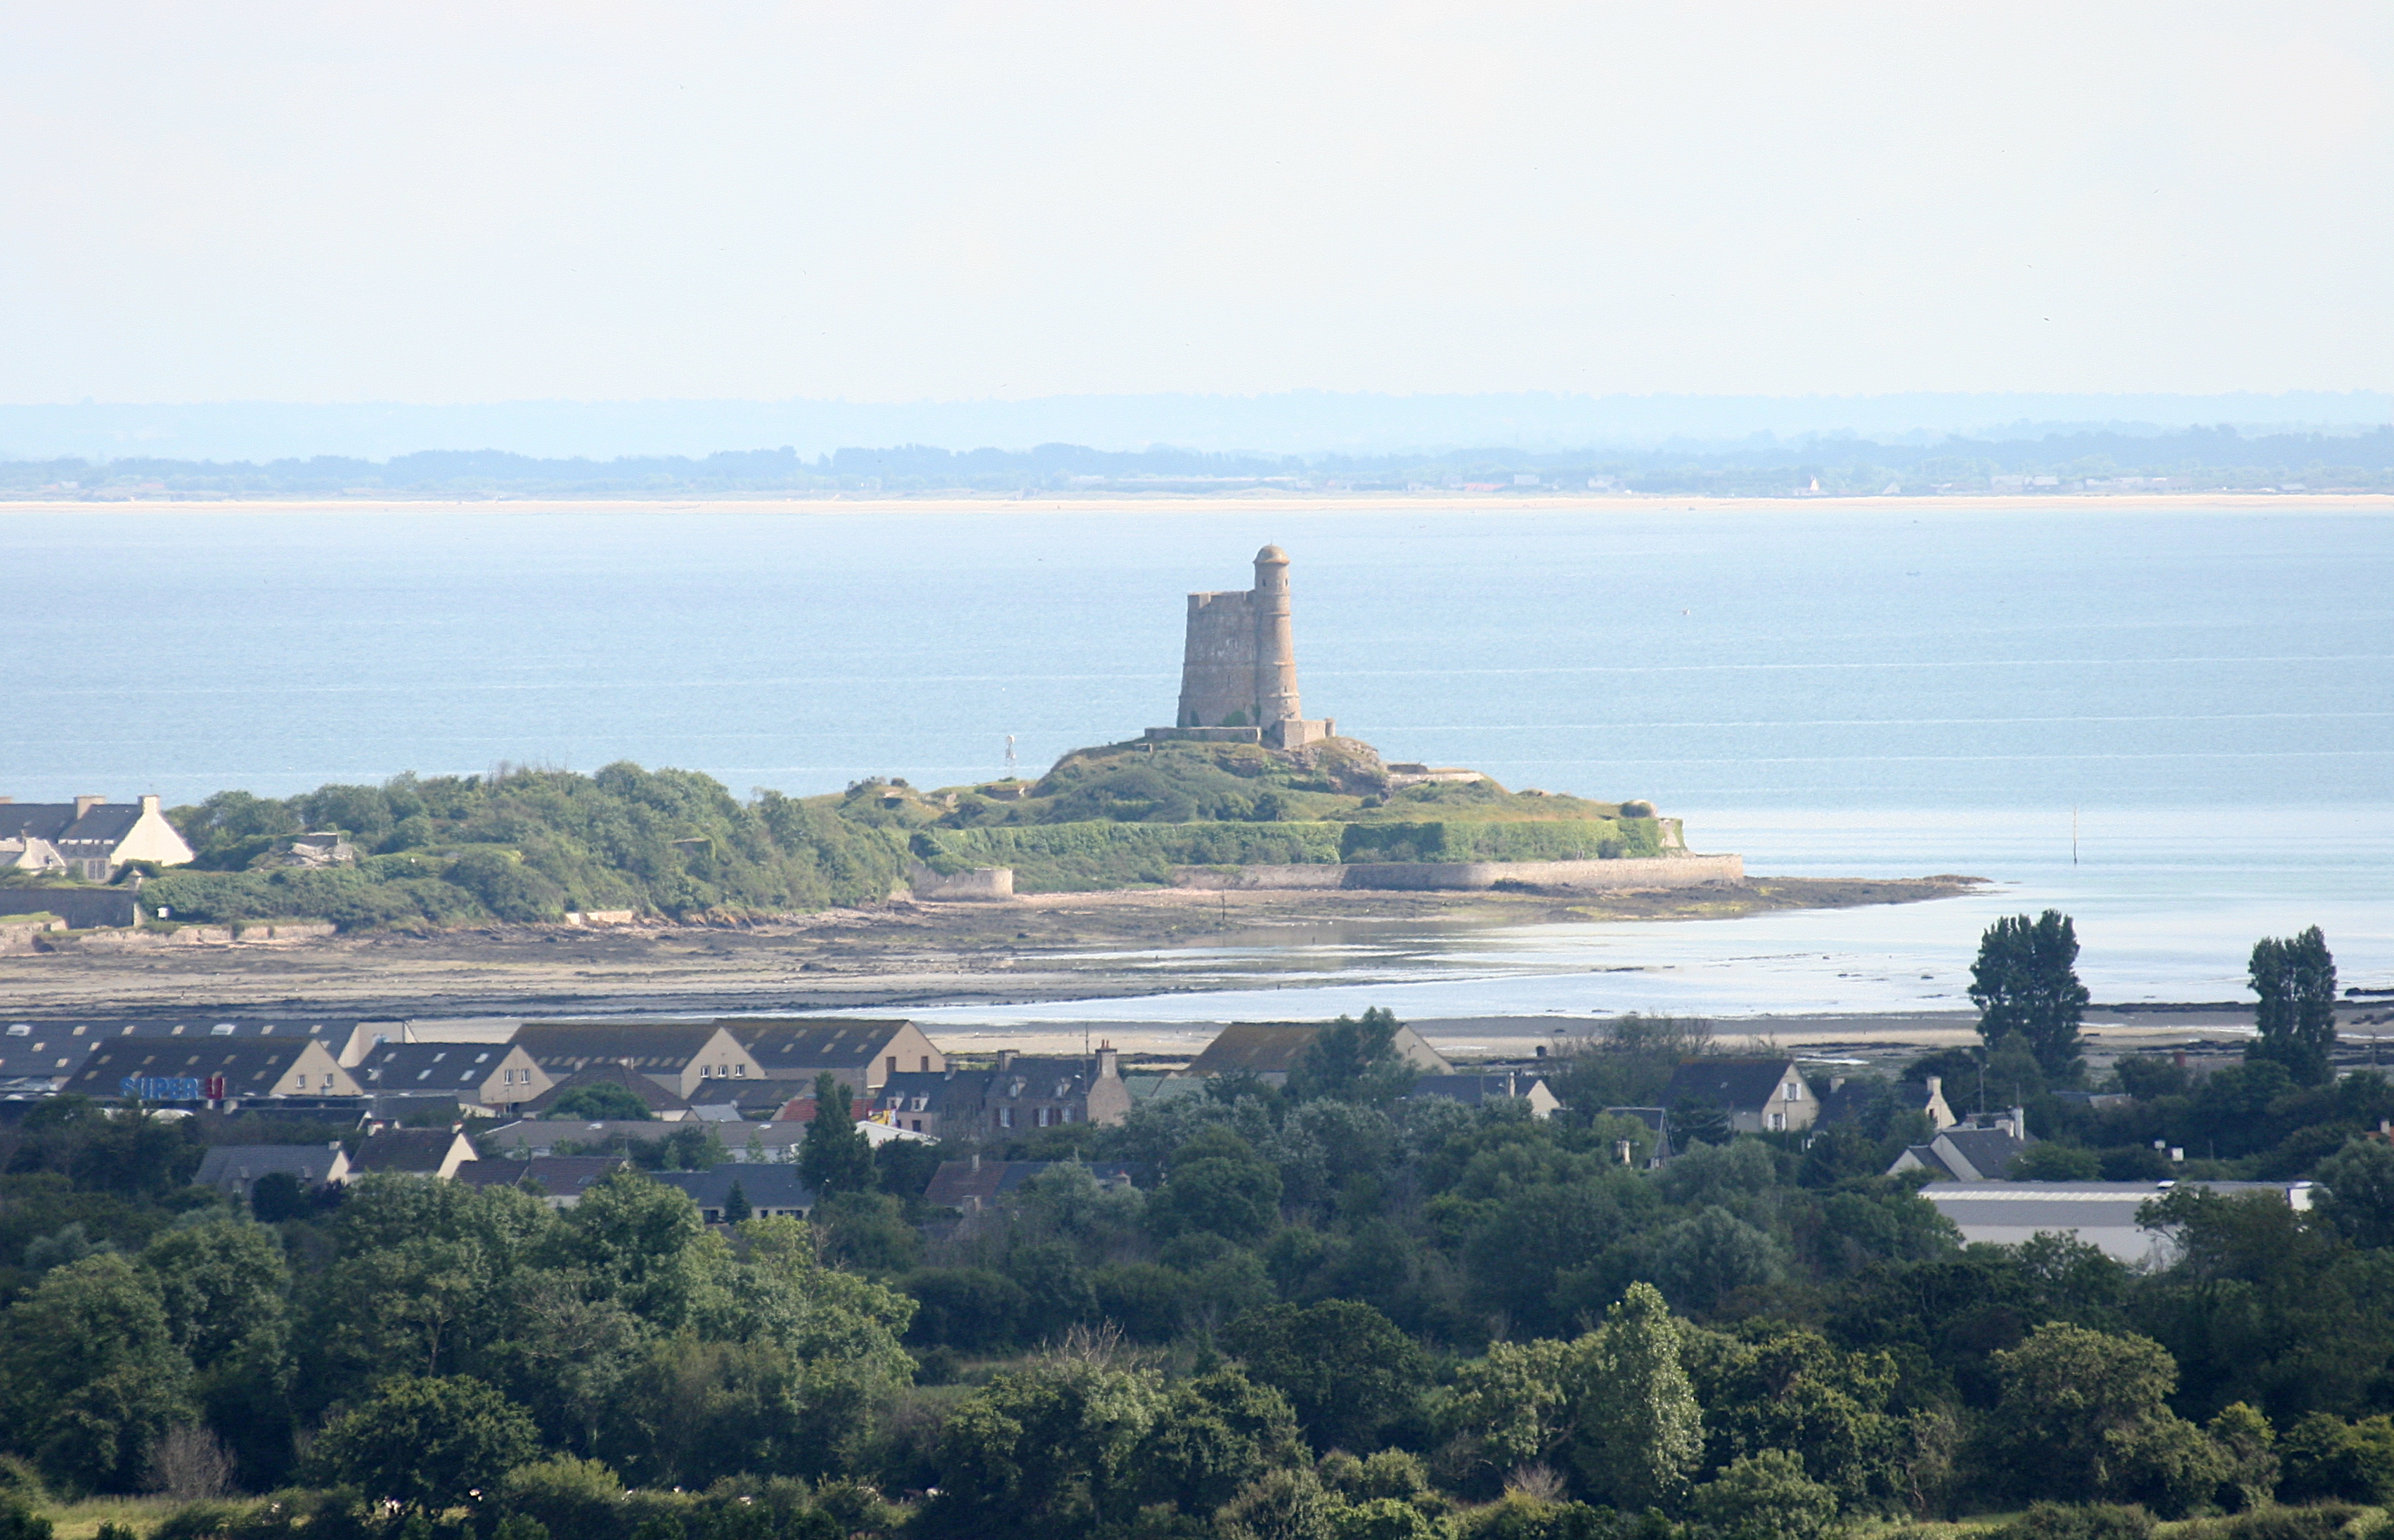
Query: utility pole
x=2074, y=832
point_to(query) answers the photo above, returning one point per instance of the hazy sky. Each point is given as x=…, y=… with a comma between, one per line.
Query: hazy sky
x=497, y=201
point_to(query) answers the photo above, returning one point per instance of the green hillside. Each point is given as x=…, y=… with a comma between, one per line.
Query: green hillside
x=530, y=845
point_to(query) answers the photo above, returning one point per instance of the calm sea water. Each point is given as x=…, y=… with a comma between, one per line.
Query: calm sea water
x=1898, y=690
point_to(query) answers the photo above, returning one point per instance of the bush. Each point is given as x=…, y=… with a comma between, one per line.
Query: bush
x=1766, y=1496
x=20, y=1522
x=2048, y=1162
x=2078, y=1521
x=581, y=1498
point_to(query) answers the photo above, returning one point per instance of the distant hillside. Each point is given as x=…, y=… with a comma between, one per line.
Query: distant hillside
x=2097, y=459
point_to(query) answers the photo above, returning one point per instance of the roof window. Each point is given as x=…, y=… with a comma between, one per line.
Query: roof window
x=222, y=1029
x=24, y=1029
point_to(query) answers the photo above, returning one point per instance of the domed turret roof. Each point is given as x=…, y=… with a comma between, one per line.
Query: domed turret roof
x=1271, y=553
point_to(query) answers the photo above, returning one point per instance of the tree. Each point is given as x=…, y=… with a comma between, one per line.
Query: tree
x=1345, y=1367
x=219, y=1283
x=277, y=1196
x=2295, y=981
x=599, y=1102
x=735, y=1203
x=1216, y=1185
x=836, y=1157
x=1640, y=1432
x=2359, y=1182
x=2084, y=1416
x=1351, y=1061
x=89, y=1374
x=2025, y=981
x=427, y=1443
x=1766, y=1496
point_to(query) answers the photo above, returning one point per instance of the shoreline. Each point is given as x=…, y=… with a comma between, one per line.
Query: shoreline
x=1326, y=503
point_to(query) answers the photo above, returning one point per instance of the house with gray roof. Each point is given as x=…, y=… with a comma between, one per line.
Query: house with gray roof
x=974, y=1184
x=37, y=1058
x=1482, y=1090
x=1982, y=1149
x=1756, y=1096
x=771, y=1191
x=90, y=836
x=559, y=1179
x=432, y=1153
x=234, y=1169
x=662, y=1104
x=859, y=1052
x=208, y=1068
x=501, y=1076
x=686, y=1057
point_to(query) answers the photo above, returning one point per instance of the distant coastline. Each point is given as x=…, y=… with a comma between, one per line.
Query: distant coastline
x=1242, y=501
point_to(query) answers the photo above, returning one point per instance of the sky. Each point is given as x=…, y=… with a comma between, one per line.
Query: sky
x=510, y=199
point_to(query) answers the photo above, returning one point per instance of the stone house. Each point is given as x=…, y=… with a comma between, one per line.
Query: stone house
x=561, y=1180
x=690, y=1059
x=858, y=1053
x=1475, y=1090
x=1025, y=1093
x=434, y=1153
x=1757, y=1094
x=234, y=1169
x=90, y=836
x=501, y=1076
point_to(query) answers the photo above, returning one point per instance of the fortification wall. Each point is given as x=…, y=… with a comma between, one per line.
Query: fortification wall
x=1630, y=873
x=1217, y=670
x=982, y=884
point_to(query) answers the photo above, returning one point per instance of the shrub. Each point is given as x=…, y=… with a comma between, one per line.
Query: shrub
x=2078, y=1521
x=1766, y=1496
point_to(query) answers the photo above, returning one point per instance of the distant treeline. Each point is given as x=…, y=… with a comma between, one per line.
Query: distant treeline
x=2197, y=459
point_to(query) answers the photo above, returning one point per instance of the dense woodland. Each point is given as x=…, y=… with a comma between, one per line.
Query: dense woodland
x=1325, y=1311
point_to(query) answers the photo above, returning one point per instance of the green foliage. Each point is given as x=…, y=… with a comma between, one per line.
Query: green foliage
x=1641, y=1432
x=2079, y=1521
x=599, y=1102
x=2326, y=1459
x=1085, y=856
x=526, y=844
x=2295, y=1017
x=2359, y=1182
x=90, y=1376
x=1345, y=1367
x=1354, y=1062
x=1217, y=1186
x=2048, y=1162
x=1544, y=840
x=20, y=1522
x=1766, y=1496
x=2025, y=982
x=835, y=1156
x=426, y=1443
x=2084, y=1413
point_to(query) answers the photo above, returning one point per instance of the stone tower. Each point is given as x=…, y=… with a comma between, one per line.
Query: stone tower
x=1238, y=674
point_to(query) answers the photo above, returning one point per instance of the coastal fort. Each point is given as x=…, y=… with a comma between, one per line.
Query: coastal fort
x=1238, y=673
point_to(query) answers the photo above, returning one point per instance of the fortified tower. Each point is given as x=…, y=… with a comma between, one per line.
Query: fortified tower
x=1238, y=674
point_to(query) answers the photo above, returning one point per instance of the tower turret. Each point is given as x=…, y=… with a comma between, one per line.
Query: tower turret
x=1275, y=644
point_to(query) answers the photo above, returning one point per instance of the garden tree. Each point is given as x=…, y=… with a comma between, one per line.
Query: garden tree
x=566, y=1356
x=1216, y=1184
x=2084, y=1415
x=220, y=1283
x=1628, y=1060
x=426, y=1444
x=642, y=1245
x=90, y=1376
x=2050, y=1162
x=2359, y=1182
x=599, y=1102
x=1766, y=1496
x=836, y=1157
x=2249, y=1446
x=1346, y=1368
x=1047, y=1449
x=2328, y=1459
x=1639, y=1434
x=2295, y=1017
x=1710, y=1254
x=1215, y=1434
x=966, y=1307
x=1354, y=1062
x=735, y=1203
x=1509, y=1407
x=278, y=1196
x=1789, y=1389
x=2025, y=981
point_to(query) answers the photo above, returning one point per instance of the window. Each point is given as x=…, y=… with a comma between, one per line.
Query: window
x=739, y=1072
x=893, y=1063
x=1005, y=1117
x=927, y=1059
x=1778, y=1120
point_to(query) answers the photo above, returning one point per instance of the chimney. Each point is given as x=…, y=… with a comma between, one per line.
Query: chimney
x=149, y=803
x=1004, y=1060
x=975, y=1162
x=2019, y=1124
x=1109, y=1062
x=1620, y=1151
x=1936, y=1086
x=85, y=804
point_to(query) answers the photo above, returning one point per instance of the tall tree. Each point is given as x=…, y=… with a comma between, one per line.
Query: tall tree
x=835, y=1156
x=2296, y=980
x=1353, y=1060
x=1641, y=1434
x=89, y=1374
x=2026, y=982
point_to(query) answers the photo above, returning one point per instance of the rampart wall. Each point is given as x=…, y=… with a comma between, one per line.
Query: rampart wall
x=1625, y=875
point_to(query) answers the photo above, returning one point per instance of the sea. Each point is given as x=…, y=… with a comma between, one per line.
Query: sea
x=2173, y=720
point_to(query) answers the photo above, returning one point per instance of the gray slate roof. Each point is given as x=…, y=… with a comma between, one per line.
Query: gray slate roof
x=106, y=823
x=787, y=1048
x=227, y=1164
x=251, y=1067
x=394, y=1068
x=559, y=1175
x=48, y=1052
x=1473, y=1089
x=1730, y=1084
x=763, y=1186
x=414, y=1151
x=655, y=1097
x=663, y=1047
